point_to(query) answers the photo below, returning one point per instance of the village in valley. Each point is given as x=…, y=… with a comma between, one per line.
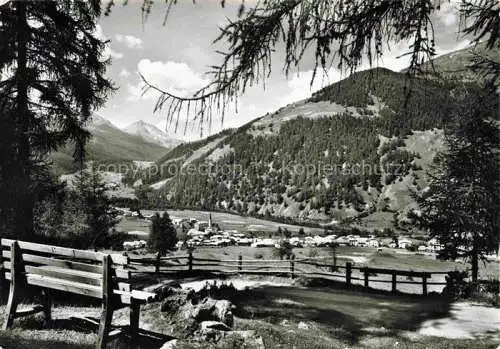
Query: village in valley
x=209, y=233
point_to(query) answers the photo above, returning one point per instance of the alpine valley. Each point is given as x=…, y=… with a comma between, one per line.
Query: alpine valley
x=354, y=152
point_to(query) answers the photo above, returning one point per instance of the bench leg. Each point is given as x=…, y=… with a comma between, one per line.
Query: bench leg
x=17, y=282
x=135, y=309
x=104, y=327
x=11, y=307
x=47, y=308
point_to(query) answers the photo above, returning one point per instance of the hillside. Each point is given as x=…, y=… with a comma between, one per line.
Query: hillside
x=456, y=65
x=354, y=152
x=108, y=144
x=152, y=134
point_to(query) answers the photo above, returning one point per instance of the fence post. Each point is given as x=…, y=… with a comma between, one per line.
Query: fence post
x=348, y=272
x=3, y=285
x=424, y=285
x=157, y=263
x=190, y=261
x=292, y=266
x=240, y=262
x=394, y=281
x=367, y=274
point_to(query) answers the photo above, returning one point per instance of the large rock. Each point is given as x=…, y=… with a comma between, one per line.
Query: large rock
x=212, y=310
x=214, y=325
x=303, y=326
x=174, y=299
x=170, y=344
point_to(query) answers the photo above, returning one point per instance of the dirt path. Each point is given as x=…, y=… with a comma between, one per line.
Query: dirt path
x=467, y=321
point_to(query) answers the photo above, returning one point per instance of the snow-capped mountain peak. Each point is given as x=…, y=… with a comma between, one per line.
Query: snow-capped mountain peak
x=151, y=133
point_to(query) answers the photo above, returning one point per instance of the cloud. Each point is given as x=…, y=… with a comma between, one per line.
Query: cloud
x=300, y=84
x=448, y=13
x=176, y=77
x=99, y=33
x=129, y=40
x=124, y=73
x=108, y=51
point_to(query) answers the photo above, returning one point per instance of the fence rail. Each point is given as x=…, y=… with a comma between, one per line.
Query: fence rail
x=291, y=267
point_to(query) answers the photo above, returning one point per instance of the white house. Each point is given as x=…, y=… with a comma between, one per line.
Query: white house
x=433, y=245
x=263, y=243
x=196, y=232
x=404, y=243
x=373, y=243
x=201, y=225
x=342, y=241
x=362, y=242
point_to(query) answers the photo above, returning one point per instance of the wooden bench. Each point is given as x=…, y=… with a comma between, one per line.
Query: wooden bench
x=87, y=273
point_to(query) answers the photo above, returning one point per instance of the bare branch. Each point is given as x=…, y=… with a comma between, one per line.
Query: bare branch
x=346, y=32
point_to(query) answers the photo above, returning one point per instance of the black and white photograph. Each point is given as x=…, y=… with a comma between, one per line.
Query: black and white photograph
x=249, y=174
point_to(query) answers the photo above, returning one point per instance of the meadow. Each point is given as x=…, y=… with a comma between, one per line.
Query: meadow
x=226, y=221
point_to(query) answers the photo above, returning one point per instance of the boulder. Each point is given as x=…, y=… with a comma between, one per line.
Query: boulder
x=212, y=310
x=224, y=311
x=303, y=326
x=170, y=344
x=214, y=325
x=175, y=299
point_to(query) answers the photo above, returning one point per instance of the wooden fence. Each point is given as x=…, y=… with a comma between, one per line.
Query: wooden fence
x=308, y=267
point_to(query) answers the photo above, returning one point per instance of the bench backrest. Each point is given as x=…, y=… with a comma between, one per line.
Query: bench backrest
x=88, y=273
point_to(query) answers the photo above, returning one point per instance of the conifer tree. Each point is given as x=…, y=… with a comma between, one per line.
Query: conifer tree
x=52, y=79
x=462, y=203
x=162, y=236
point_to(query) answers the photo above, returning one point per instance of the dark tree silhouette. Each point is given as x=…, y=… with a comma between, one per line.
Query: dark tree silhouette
x=463, y=201
x=162, y=237
x=52, y=79
x=93, y=208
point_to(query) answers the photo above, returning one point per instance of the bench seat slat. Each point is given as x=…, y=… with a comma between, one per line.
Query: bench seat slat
x=123, y=296
x=57, y=269
x=119, y=272
x=143, y=295
x=66, y=274
x=62, y=285
x=29, y=311
x=32, y=258
x=68, y=252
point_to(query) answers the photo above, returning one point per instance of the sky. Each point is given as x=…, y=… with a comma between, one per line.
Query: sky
x=176, y=56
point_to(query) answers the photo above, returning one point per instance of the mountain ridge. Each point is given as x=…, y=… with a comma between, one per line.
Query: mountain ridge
x=152, y=134
x=108, y=145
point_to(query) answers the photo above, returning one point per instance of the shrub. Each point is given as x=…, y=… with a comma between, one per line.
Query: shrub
x=411, y=248
x=285, y=249
x=258, y=255
x=78, y=216
x=218, y=290
x=456, y=285
x=162, y=237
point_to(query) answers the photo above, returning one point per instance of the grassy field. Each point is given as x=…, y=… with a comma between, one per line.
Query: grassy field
x=285, y=317
x=388, y=258
x=226, y=221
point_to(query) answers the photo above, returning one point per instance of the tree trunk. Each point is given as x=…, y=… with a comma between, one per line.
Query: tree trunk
x=474, y=265
x=24, y=204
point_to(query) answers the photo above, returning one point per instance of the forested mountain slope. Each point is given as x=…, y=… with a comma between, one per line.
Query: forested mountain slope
x=353, y=152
